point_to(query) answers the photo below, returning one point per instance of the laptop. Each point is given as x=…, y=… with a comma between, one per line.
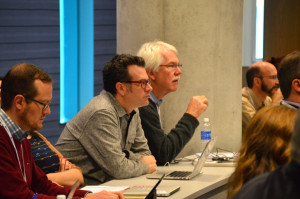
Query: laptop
x=139, y=191
x=187, y=175
x=166, y=190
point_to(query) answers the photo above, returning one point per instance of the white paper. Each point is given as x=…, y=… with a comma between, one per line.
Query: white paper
x=99, y=188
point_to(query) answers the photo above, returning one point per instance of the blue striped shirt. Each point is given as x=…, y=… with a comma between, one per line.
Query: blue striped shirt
x=43, y=156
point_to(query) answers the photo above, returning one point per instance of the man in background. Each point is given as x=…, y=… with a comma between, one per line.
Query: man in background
x=105, y=139
x=26, y=95
x=289, y=80
x=263, y=90
x=164, y=70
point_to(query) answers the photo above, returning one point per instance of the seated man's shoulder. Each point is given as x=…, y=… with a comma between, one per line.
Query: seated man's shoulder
x=99, y=103
x=245, y=93
x=268, y=101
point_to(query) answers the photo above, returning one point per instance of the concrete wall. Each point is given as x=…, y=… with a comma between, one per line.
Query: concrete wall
x=208, y=36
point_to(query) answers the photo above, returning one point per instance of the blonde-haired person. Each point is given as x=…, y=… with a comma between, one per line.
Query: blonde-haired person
x=266, y=145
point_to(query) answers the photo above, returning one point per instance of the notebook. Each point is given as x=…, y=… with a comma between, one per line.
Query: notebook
x=147, y=192
x=187, y=175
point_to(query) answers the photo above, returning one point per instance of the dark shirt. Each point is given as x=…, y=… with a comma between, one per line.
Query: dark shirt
x=282, y=183
x=165, y=147
x=43, y=156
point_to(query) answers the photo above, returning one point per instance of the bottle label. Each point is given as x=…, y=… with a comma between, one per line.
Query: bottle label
x=205, y=135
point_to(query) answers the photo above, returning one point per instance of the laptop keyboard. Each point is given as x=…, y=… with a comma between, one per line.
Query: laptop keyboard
x=179, y=174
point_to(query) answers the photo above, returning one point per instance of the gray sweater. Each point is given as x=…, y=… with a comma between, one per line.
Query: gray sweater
x=95, y=140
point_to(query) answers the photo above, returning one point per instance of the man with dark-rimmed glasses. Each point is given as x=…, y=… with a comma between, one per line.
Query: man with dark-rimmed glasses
x=164, y=70
x=105, y=139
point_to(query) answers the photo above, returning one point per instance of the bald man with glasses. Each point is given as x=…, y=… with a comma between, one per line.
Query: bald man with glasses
x=263, y=90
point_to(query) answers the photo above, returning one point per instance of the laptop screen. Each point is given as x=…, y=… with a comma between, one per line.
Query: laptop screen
x=204, y=155
x=150, y=195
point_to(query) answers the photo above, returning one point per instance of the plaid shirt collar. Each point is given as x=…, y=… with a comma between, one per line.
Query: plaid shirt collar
x=13, y=128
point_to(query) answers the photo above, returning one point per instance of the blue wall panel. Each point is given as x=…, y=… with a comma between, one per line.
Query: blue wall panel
x=30, y=32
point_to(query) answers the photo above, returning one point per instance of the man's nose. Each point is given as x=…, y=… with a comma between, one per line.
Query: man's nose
x=148, y=87
x=178, y=71
x=47, y=111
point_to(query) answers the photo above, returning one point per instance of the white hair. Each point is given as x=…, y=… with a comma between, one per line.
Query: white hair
x=152, y=53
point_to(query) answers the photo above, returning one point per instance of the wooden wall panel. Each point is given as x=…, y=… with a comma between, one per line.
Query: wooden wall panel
x=282, y=27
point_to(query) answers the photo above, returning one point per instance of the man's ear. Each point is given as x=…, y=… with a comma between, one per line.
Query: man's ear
x=257, y=81
x=19, y=102
x=296, y=85
x=121, y=88
x=151, y=74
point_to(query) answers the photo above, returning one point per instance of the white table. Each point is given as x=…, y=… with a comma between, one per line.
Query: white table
x=211, y=183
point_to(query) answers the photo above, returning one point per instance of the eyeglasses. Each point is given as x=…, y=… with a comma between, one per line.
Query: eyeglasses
x=41, y=103
x=274, y=77
x=173, y=66
x=142, y=82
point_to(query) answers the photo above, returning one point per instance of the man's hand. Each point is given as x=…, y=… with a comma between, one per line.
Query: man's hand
x=150, y=161
x=105, y=195
x=276, y=96
x=197, y=105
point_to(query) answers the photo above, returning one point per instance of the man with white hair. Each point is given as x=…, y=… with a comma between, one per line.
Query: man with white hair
x=164, y=70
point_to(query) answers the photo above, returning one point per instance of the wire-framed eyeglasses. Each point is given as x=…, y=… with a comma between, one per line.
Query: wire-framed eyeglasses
x=274, y=77
x=143, y=82
x=45, y=106
x=173, y=66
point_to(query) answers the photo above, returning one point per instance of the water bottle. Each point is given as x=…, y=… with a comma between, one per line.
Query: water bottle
x=60, y=197
x=205, y=133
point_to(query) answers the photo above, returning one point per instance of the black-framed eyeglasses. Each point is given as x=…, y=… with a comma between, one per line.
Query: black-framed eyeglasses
x=41, y=103
x=142, y=82
x=173, y=66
